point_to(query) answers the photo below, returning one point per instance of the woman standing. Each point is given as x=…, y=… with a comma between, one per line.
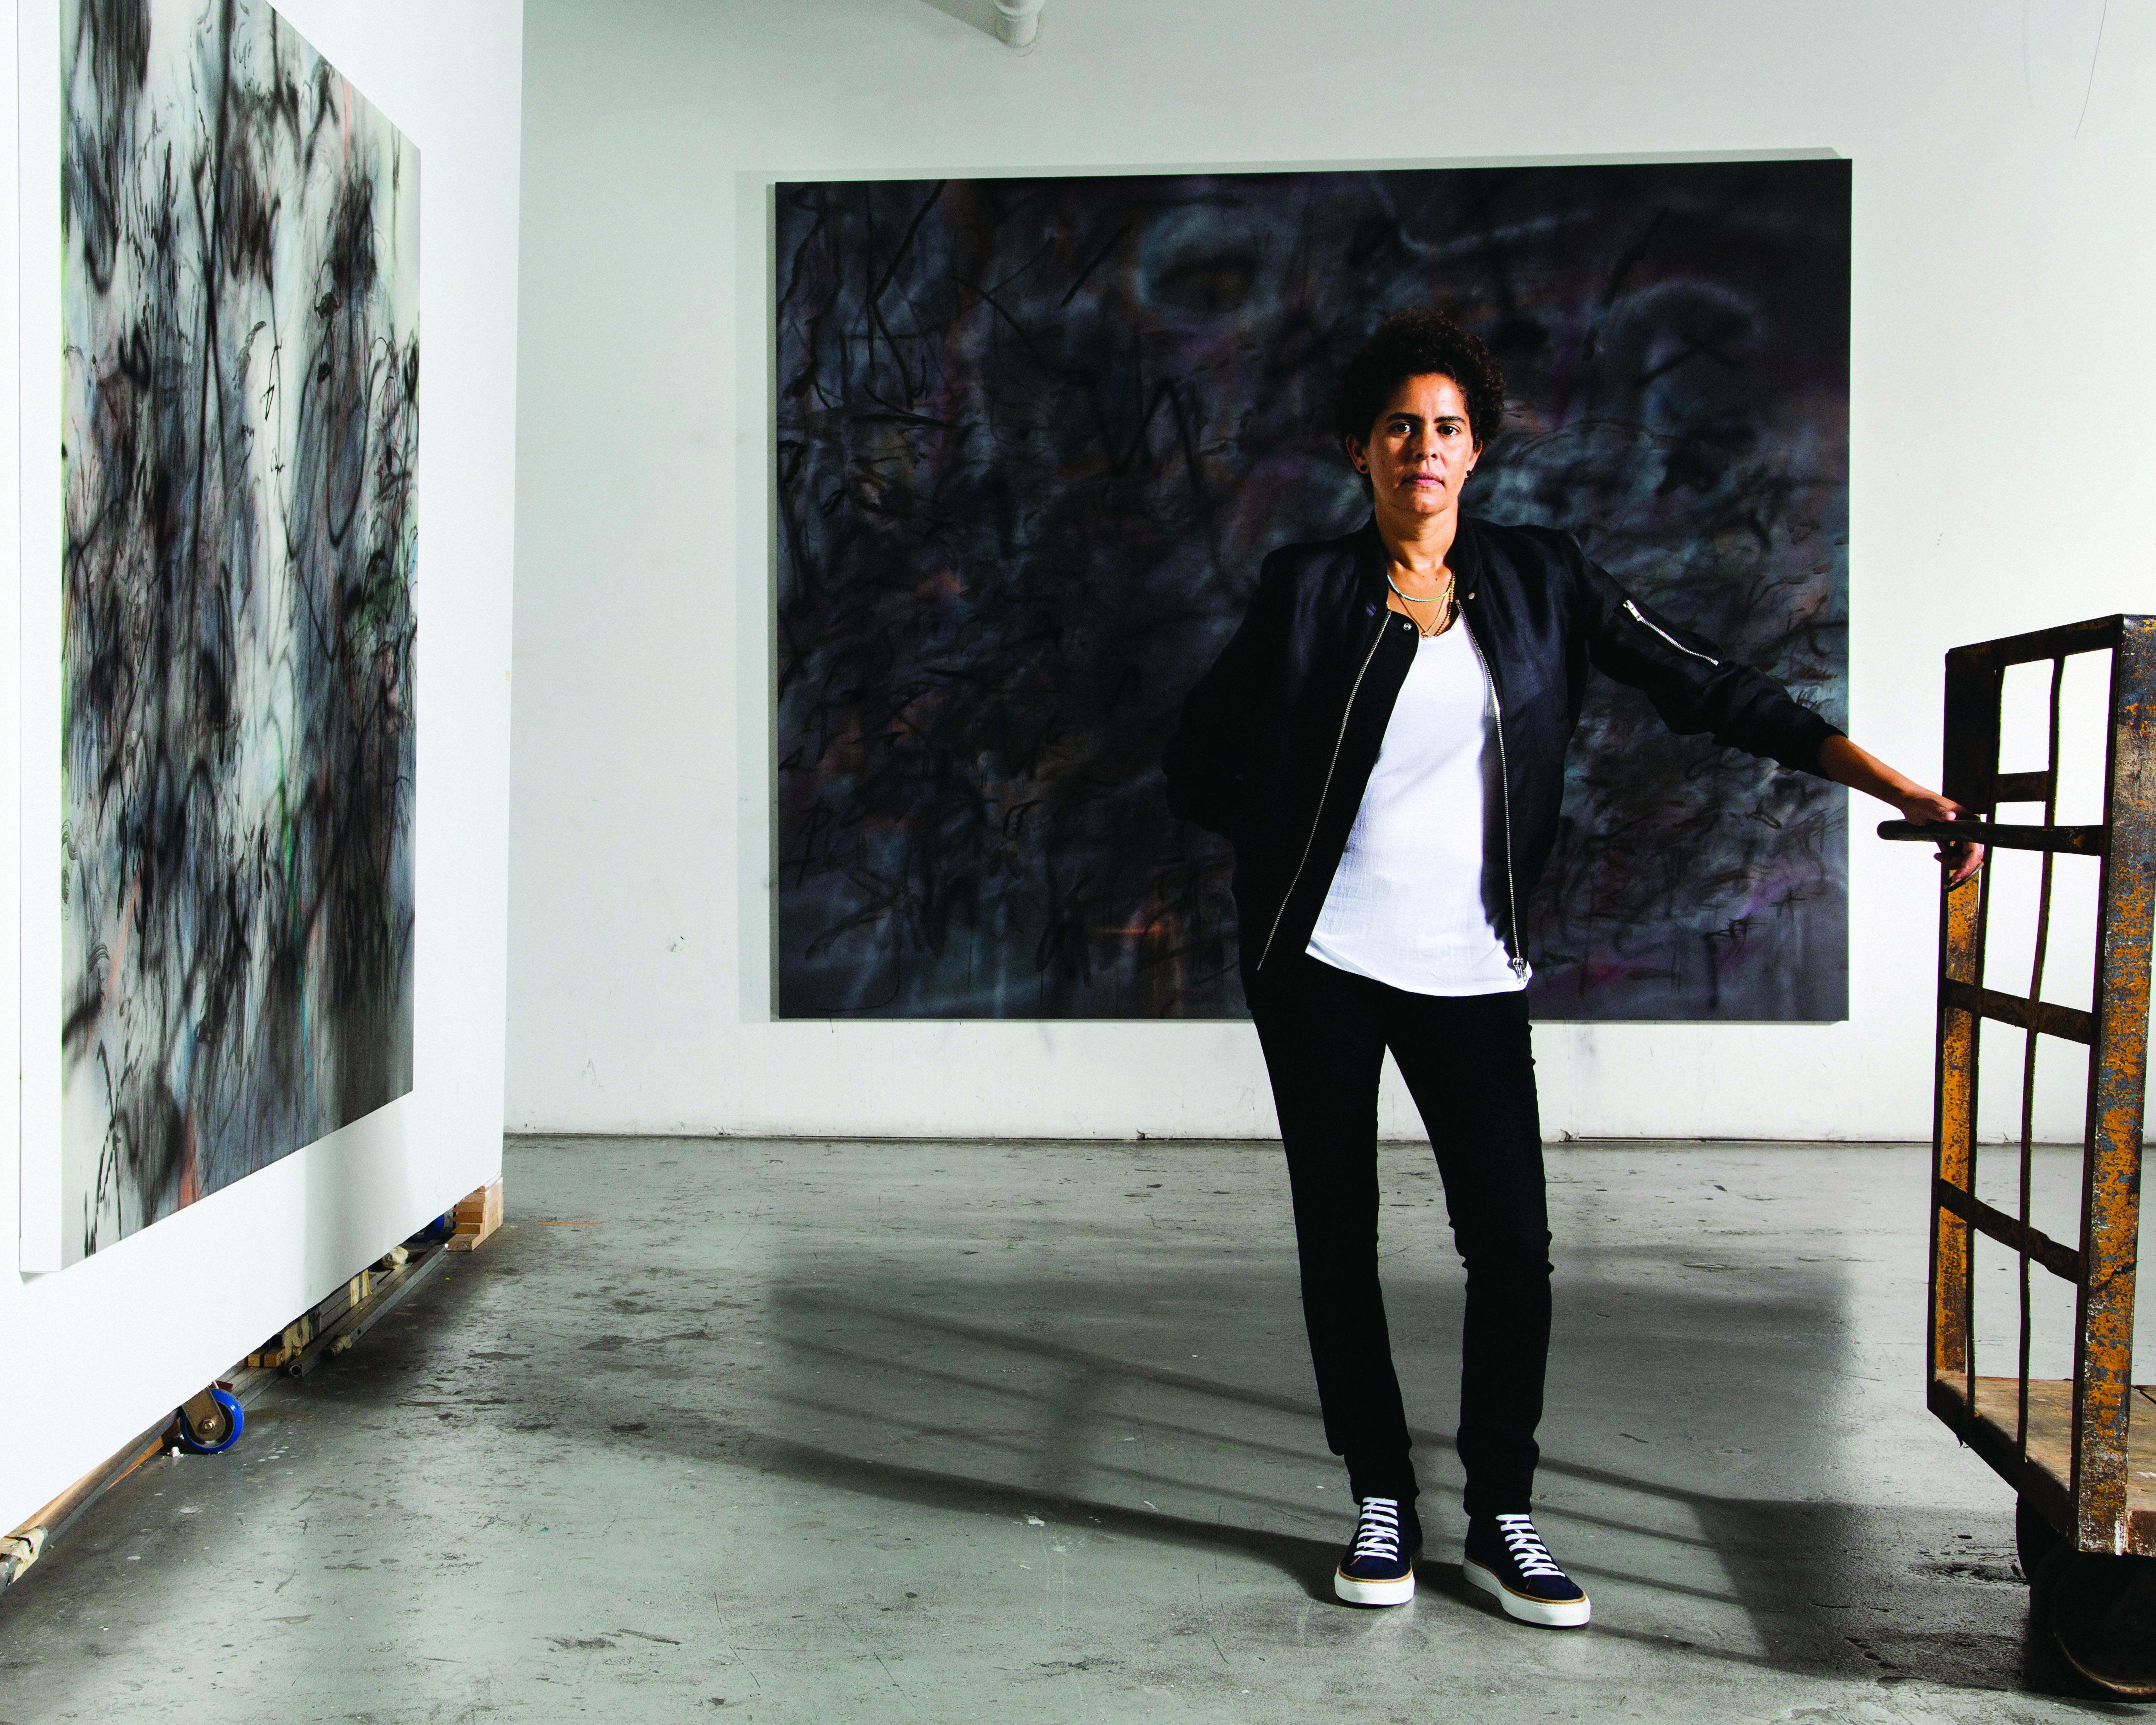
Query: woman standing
x=1383, y=739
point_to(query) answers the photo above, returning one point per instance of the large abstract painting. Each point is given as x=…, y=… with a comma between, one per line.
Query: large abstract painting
x=1034, y=437
x=240, y=429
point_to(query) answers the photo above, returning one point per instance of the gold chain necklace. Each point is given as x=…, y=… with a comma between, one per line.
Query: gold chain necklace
x=1443, y=621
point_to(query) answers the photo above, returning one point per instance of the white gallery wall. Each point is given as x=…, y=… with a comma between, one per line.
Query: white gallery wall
x=112, y=1343
x=2003, y=357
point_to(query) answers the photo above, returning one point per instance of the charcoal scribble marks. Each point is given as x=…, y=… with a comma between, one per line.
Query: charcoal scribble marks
x=241, y=427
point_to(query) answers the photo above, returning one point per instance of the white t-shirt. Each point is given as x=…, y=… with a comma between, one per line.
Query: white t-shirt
x=1407, y=905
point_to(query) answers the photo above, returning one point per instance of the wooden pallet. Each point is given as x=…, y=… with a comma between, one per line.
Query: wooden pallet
x=335, y=1322
x=281, y=1349
x=330, y=1327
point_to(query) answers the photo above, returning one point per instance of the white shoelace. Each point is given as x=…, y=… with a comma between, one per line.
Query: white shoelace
x=1529, y=1556
x=1377, y=1531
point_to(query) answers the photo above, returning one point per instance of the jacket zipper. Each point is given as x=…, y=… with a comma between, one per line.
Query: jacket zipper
x=1639, y=617
x=1324, y=789
x=1518, y=960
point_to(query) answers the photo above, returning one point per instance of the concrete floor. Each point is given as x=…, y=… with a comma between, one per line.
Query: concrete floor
x=835, y=1433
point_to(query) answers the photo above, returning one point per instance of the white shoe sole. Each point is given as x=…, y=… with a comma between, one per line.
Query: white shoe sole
x=1374, y=1593
x=1570, y=1615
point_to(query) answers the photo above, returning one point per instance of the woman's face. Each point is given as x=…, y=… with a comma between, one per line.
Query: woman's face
x=1421, y=449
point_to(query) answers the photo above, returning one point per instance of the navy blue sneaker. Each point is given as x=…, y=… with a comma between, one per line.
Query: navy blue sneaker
x=1379, y=1568
x=1507, y=1558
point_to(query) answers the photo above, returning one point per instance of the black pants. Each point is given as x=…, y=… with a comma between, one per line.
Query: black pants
x=1468, y=1064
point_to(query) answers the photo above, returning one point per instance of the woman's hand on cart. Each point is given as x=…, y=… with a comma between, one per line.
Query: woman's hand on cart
x=1928, y=808
x=1846, y=764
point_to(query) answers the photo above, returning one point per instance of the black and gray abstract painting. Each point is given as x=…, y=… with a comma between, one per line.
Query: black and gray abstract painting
x=1034, y=437
x=240, y=302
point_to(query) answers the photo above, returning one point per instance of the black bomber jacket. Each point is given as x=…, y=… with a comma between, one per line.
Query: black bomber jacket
x=1277, y=740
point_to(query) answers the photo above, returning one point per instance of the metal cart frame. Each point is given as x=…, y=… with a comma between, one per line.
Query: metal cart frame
x=2069, y=1448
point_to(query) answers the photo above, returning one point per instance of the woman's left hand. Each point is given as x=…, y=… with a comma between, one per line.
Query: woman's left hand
x=1928, y=808
x=1842, y=761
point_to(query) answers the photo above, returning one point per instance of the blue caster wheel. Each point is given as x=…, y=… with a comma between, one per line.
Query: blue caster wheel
x=213, y=1430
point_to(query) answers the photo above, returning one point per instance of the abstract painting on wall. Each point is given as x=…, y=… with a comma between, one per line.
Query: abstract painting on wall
x=240, y=430
x=1034, y=437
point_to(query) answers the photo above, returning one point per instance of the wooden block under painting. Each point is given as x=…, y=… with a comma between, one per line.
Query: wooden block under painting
x=240, y=302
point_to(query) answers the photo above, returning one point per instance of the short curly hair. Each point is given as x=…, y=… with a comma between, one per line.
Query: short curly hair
x=1411, y=344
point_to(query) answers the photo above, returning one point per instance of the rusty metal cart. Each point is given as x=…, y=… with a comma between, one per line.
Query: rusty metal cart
x=2082, y=1453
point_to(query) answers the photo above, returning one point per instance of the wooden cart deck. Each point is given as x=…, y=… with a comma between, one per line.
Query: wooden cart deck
x=2048, y=1476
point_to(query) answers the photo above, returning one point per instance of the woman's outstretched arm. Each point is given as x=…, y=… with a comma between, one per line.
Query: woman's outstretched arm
x=1842, y=761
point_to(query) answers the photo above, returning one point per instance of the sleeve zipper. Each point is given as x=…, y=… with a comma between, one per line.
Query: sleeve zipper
x=1639, y=617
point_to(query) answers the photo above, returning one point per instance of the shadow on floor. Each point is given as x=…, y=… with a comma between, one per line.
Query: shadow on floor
x=1073, y=1398
x=886, y=1395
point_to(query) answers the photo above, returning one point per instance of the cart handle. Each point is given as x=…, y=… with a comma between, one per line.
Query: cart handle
x=2081, y=841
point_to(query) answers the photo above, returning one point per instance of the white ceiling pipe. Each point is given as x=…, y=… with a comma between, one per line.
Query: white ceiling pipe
x=1017, y=21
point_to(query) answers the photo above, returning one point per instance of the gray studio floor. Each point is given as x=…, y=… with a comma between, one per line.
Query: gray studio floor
x=840, y=1432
